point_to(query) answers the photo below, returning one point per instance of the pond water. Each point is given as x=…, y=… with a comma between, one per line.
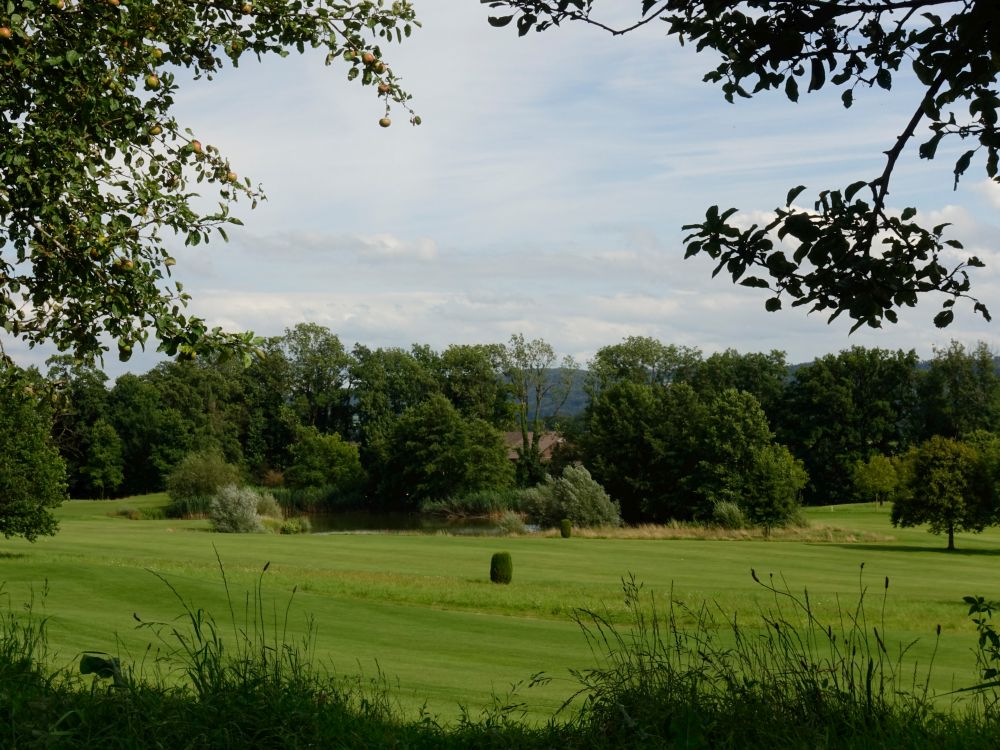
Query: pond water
x=329, y=523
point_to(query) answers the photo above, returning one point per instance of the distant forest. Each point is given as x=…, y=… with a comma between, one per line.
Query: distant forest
x=643, y=417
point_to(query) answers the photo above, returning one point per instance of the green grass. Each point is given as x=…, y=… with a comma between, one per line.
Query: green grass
x=422, y=609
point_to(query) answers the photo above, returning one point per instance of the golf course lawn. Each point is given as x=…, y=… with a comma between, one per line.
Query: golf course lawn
x=421, y=610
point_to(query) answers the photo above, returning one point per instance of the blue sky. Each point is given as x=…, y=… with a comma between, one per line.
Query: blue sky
x=543, y=194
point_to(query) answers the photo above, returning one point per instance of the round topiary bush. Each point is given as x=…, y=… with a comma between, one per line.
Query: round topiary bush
x=501, y=567
x=566, y=528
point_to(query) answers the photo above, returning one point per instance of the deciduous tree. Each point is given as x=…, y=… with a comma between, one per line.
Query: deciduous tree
x=948, y=486
x=852, y=252
x=32, y=475
x=96, y=173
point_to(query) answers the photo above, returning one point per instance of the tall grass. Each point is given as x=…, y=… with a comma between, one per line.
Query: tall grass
x=678, y=676
x=489, y=502
x=675, y=676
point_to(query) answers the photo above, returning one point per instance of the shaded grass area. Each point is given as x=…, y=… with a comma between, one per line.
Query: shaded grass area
x=421, y=608
x=665, y=680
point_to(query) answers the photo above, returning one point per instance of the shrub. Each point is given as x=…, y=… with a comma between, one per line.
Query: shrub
x=510, y=522
x=565, y=528
x=296, y=525
x=574, y=496
x=479, y=503
x=728, y=515
x=326, y=498
x=273, y=478
x=501, y=567
x=234, y=510
x=200, y=475
x=268, y=506
x=191, y=507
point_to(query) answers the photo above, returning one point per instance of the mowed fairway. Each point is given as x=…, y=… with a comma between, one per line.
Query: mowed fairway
x=421, y=609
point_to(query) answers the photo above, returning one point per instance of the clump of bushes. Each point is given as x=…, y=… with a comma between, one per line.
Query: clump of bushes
x=510, y=522
x=323, y=498
x=196, y=480
x=234, y=510
x=296, y=525
x=501, y=567
x=728, y=515
x=485, y=502
x=574, y=496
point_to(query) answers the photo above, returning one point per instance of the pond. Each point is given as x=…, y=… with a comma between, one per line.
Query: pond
x=359, y=521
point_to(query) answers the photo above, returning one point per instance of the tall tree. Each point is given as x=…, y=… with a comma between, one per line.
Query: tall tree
x=436, y=454
x=472, y=379
x=641, y=359
x=539, y=388
x=318, y=373
x=763, y=375
x=32, y=475
x=960, y=392
x=642, y=444
x=96, y=170
x=384, y=383
x=852, y=253
x=842, y=408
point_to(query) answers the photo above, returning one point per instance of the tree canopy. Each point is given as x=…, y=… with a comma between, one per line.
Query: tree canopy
x=32, y=474
x=96, y=173
x=852, y=252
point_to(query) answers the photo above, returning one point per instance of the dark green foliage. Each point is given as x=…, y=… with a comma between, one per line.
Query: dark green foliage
x=641, y=445
x=326, y=461
x=478, y=503
x=99, y=172
x=950, y=485
x=435, y=453
x=317, y=370
x=200, y=475
x=960, y=392
x=565, y=528
x=501, y=567
x=666, y=453
x=849, y=253
x=32, y=474
x=102, y=467
x=842, y=408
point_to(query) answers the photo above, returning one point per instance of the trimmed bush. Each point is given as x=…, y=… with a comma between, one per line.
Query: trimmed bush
x=565, y=528
x=501, y=567
x=234, y=510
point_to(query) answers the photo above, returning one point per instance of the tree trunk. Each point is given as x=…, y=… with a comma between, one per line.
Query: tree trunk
x=951, y=538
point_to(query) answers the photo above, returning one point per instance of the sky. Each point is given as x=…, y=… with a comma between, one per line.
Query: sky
x=543, y=194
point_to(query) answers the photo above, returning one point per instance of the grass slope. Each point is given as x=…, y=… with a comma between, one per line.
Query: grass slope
x=422, y=609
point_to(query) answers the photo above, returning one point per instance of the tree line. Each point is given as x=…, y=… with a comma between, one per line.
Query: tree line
x=669, y=432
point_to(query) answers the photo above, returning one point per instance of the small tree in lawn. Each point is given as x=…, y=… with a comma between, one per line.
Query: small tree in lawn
x=876, y=479
x=947, y=485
